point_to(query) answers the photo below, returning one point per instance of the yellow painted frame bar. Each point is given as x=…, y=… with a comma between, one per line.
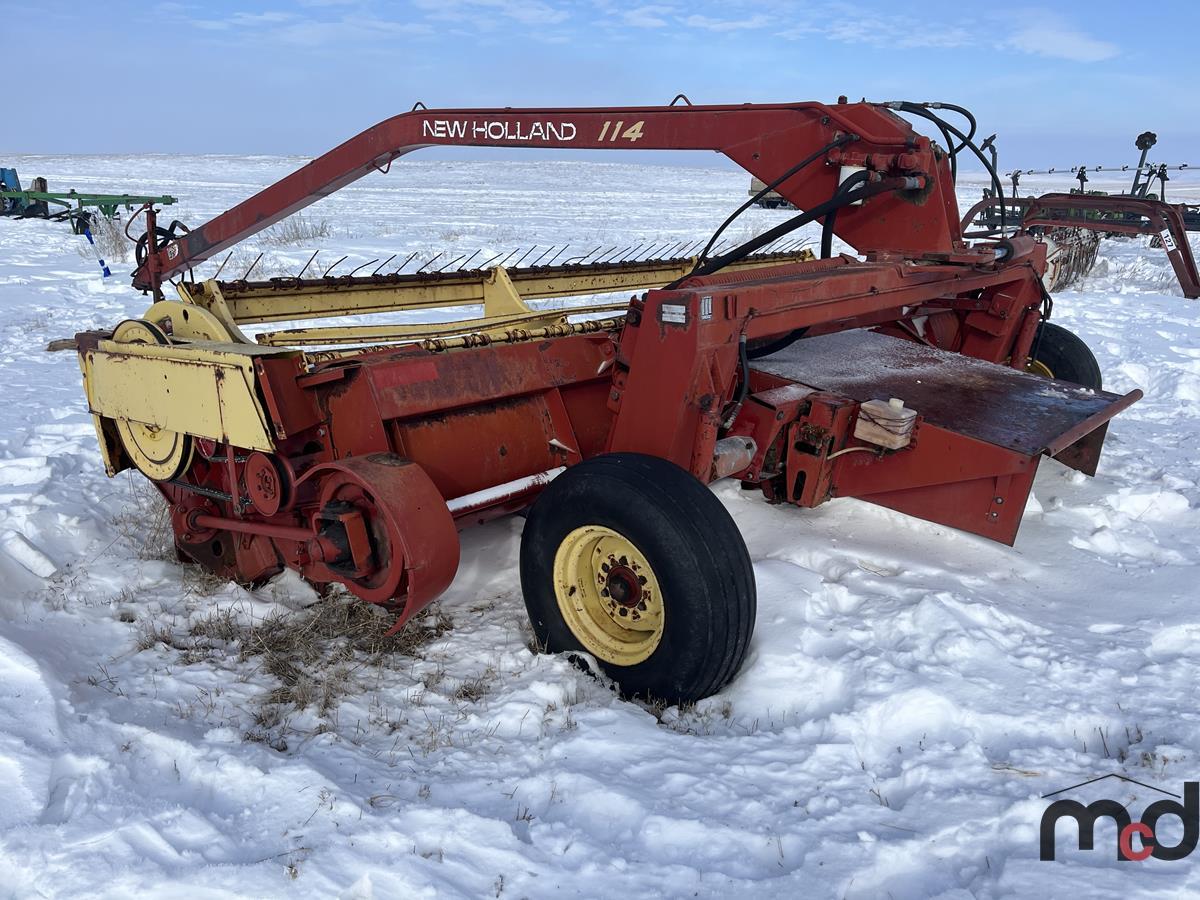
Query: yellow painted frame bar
x=201, y=388
x=501, y=292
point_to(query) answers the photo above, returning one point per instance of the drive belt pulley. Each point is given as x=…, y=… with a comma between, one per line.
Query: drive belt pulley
x=158, y=453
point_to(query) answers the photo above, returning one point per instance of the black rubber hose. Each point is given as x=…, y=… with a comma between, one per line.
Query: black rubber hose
x=744, y=389
x=839, y=141
x=827, y=227
x=965, y=113
x=886, y=185
x=918, y=110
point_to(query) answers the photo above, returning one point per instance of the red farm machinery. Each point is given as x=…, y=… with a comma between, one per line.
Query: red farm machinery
x=899, y=378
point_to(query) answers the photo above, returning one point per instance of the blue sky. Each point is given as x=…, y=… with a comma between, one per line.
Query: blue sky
x=1070, y=83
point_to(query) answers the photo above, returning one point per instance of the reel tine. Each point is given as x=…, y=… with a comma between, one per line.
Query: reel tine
x=252, y=265
x=558, y=254
x=522, y=259
x=469, y=258
x=382, y=264
x=307, y=264
x=485, y=265
x=430, y=260
x=652, y=252
x=576, y=260
x=363, y=266
x=334, y=266
x=400, y=268
x=449, y=264
x=221, y=267
x=533, y=265
x=633, y=252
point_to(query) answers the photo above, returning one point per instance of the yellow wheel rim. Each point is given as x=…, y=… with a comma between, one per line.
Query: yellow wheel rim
x=158, y=453
x=1037, y=367
x=608, y=595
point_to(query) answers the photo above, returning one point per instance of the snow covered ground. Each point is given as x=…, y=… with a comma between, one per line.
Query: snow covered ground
x=910, y=693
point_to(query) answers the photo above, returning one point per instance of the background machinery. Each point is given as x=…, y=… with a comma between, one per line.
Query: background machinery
x=40, y=202
x=1074, y=223
x=898, y=379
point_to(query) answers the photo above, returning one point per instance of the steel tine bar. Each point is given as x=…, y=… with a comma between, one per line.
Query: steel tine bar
x=654, y=251
x=485, y=265
x=469, y=258
x=363, y=266
x=633, y=252
x=504, y=261
x=534, y=264
x=449, y=264
x=252, y=265
x=616, y=256
x=669, y=253
x=576, y=259
x=307, y=264
x=221, y=267
x=400, y=268
x=382, y=264
x=334, y=266
x=430, y=260
x=522, y=259
x=599, y=259
x=558, y=254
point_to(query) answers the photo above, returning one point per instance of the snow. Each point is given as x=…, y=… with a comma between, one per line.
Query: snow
x=909, y=695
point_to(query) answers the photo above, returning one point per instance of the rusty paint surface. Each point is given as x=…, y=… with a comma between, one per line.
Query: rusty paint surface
x=992, y=403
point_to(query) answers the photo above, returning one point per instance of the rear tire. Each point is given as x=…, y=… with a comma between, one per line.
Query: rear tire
x=1062, y=355
x=631, y=559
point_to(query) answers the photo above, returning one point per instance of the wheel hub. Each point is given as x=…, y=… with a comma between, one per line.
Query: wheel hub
x=608, y=595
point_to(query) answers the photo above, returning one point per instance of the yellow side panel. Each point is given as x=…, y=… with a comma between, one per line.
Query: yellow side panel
x=195, y=389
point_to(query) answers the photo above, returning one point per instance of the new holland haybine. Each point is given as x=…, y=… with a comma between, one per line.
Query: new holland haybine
x=898, y=378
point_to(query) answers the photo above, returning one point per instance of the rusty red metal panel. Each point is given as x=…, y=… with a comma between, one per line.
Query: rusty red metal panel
x=991, y=403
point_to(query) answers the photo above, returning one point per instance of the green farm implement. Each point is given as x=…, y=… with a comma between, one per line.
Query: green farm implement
x=44, y=204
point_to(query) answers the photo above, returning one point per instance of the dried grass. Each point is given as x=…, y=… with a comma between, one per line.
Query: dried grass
x=295, y=230
x=144, y=522
x=111, y=243
x=314, y=656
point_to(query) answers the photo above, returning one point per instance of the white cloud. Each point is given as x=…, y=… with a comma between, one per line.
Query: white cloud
x=527, y=12
x=646, y=16
x=710, y=24
x=1053, y=38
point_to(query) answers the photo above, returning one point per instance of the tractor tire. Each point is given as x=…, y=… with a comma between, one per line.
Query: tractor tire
x=629, y=558
x=1057, y=353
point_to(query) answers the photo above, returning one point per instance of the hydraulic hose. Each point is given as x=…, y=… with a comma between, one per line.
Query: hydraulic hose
x=827, y=227
x=918, y=109
x=871, y=189
x=839, y=141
